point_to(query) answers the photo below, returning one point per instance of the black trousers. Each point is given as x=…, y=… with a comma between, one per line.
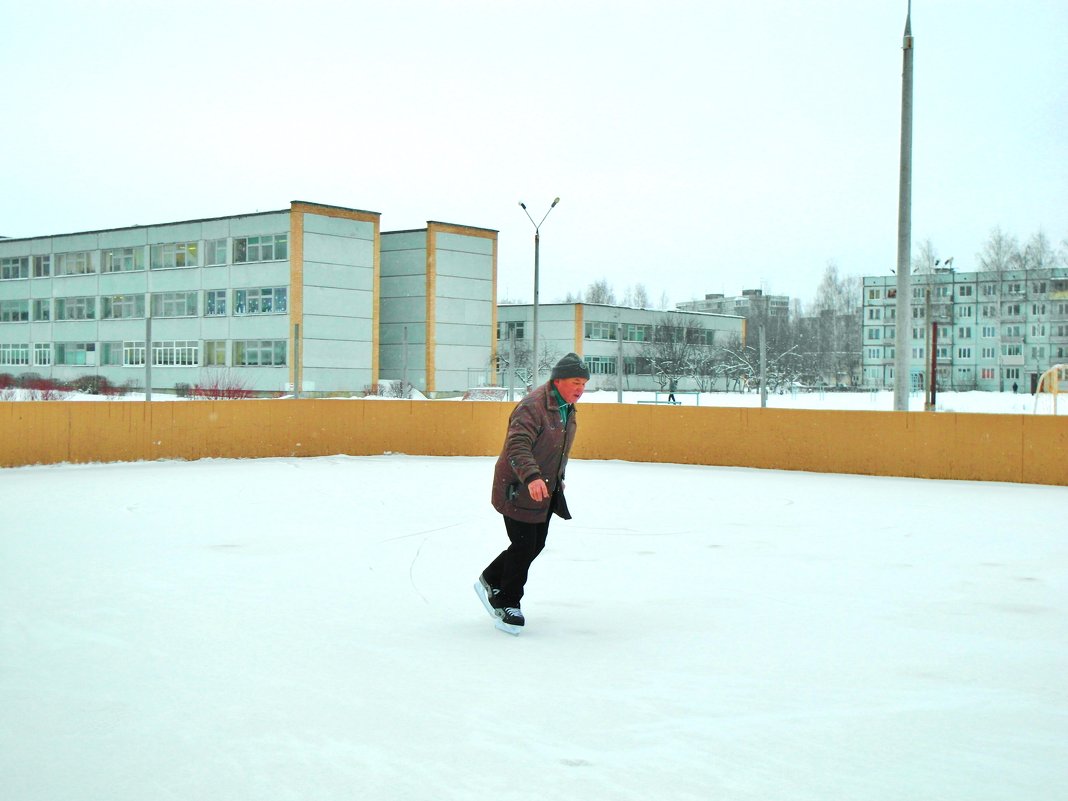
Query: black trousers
x=508, y=572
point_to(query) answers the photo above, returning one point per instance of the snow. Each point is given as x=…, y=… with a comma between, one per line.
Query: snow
x=307, y=629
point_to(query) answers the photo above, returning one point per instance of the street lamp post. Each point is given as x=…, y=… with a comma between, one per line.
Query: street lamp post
x=537, y=245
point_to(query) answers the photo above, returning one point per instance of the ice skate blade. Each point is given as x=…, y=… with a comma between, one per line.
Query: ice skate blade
x=508, y=628
x=481, y=593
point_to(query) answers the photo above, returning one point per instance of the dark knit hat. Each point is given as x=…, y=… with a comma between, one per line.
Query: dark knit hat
x=571, y=366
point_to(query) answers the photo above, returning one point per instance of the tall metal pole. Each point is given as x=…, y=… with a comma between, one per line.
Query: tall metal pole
x=537, y=248
x=148, y=349
x=763, y=368
x=619, y=363
x=904, y=228
x=534, y=332
x=511, y=364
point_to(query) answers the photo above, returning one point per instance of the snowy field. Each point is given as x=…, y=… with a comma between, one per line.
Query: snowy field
x=284, y=629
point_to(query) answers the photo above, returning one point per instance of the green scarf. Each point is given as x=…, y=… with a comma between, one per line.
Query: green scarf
x=565, y=408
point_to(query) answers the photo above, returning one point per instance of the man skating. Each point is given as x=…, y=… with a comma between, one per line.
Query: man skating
x=528, y=485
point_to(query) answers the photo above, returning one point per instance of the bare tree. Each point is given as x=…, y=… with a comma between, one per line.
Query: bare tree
x=925, y=258
x=1038, y=253
x=640, y=297
x=522, y=362
x=1000, y=253
x=601, y=292
x=680, y=348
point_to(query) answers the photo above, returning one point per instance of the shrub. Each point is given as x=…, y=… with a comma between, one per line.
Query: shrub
x=222, y=385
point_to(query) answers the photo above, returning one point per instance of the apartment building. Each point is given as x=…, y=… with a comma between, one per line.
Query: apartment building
x=995, y=331
x=277, y=301
x=771, y=311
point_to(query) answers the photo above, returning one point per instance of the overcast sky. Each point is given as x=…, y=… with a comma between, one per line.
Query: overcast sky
x=696, y=147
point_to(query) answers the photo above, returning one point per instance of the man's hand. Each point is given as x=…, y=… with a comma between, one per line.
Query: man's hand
x=538, y=489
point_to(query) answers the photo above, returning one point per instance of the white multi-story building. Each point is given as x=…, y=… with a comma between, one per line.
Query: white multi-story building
x=996, y=331
x=270, y=302
x=592, y=331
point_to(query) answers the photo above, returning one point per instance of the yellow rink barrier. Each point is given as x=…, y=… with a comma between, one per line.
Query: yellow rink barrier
x=979, y=447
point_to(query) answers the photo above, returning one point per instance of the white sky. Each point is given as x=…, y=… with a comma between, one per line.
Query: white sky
x=697, y=146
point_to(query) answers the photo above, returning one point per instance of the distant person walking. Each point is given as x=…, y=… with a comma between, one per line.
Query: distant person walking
x=528, y=485
x=671, y=391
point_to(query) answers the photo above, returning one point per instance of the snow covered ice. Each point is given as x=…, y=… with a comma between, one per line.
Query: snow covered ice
x=283, y=629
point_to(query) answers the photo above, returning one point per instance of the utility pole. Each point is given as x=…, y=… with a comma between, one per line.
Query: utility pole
x=904, y=228
x=537, y=251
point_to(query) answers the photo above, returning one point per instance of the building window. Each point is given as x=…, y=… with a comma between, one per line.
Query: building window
x=989, y=353
x=989, y=311
x=600, y=330
x=215, y=353
x=964, y=353
x=1039, y=287
x=185, y=353
x=636, y=332
x=637, y=365
x=875, y=294
x=73, y=264
x=262, y=300
x=1038, y=352
x=42, y=267
x=1012, y=350
x=14, y=311
x=260, y=352
x=76, y=353
x=214, y=252
x=215, y=303
x=1038, y=329
x=75, y=309
x=987, y=373
x=111, y=354
x=1038, y=309
x=875, y=313
x=133, y=354
x=1012, y=372
x=42, y=310
x=504, y=329
x=122, y=260
x=174, y=304
x=42, y=354
x=989, y=290
x=601, y=365
x=964, y=332
x=965, y=291
x=174, y=255
x=123, y=307
x=1014, y=330
x=990, y=331
x=261, y=248
x=14, y=267
x=873, y=333
x=965, y=311
x=15, y=354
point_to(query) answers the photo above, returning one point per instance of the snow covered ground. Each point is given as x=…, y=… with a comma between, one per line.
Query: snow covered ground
x=278, y=629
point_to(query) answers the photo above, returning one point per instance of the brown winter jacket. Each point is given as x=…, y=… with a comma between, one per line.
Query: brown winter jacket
x=537, y=444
